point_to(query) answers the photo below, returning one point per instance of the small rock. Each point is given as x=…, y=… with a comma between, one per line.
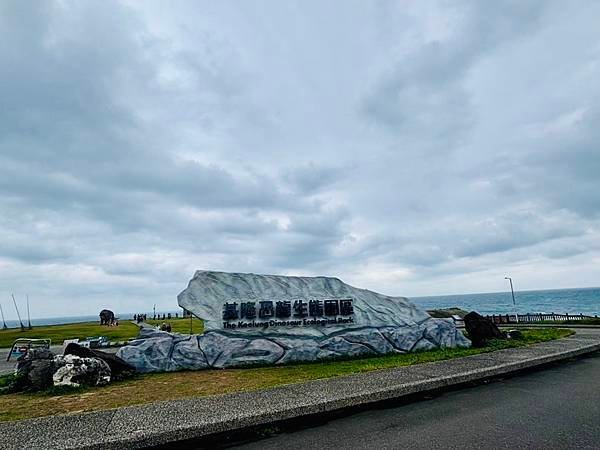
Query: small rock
x=34, y=370
x=76, y=371
x=514, y=334
x=481, y=329
x=119, y=369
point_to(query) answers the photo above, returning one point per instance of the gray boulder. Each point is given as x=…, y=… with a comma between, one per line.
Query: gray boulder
x=119, y=369
x=150, y=353
x=218, y=347
x=208, y=291
x=298, y=349
x=404, y=339
x=372, y=338
x=257, y=351
x=339, y=346
x=34, y=370
x=159, y=351
x=481, y=329
x=75, y=371
x=187, y=355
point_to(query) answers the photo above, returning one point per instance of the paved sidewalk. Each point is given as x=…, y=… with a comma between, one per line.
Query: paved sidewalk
x=554, y=408
x=168, y=422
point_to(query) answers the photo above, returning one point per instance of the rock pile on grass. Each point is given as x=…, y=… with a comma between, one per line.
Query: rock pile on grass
x=40, y=369
x=76, y=371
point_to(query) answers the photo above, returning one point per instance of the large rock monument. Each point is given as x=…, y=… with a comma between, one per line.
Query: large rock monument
x=270, y=319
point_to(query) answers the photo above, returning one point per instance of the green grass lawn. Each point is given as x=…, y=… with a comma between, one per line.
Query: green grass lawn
x=181, y=325
x=58, y=333
x=176, y=385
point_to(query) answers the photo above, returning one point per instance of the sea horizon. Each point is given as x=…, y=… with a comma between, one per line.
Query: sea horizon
x=585, y=300
x=505, y=291
x=565, y=300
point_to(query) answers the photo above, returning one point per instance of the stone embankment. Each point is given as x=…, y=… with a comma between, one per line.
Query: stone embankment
x=159, y=351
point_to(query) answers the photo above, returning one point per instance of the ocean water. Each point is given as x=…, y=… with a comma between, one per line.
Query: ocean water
x=560, y=301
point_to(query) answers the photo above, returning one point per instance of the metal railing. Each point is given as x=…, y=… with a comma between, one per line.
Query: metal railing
x=538, y=318
x=23, y=345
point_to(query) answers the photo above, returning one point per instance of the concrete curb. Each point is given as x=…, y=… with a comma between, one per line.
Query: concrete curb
x=166, y=423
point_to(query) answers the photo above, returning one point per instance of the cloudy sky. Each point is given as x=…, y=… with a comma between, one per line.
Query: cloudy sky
x=413, y=148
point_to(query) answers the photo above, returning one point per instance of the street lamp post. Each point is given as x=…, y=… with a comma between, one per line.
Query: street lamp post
x=29, y=327
x=512, y=291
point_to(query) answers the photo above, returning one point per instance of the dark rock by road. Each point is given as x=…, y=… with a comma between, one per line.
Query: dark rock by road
x=481, y=329
x=34, y=370
x=119, y=369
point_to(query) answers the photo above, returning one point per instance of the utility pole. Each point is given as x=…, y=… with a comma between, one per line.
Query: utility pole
x=18, y=315
x=4, y=327
x=512, y=291
x=28, y=316
x=191, y=318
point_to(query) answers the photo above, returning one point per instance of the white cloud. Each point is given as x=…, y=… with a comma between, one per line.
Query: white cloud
x=412, y=148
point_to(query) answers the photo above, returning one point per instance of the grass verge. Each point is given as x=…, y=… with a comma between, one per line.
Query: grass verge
x=181, y=325
x=175, y=385
x=58, y=333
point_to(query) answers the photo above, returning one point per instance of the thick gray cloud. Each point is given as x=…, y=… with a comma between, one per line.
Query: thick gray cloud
x=413, y=148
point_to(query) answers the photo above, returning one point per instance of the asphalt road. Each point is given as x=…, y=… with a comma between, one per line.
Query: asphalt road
x=555, y=408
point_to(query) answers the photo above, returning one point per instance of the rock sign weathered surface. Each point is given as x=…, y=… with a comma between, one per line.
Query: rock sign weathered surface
x=377, y=324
